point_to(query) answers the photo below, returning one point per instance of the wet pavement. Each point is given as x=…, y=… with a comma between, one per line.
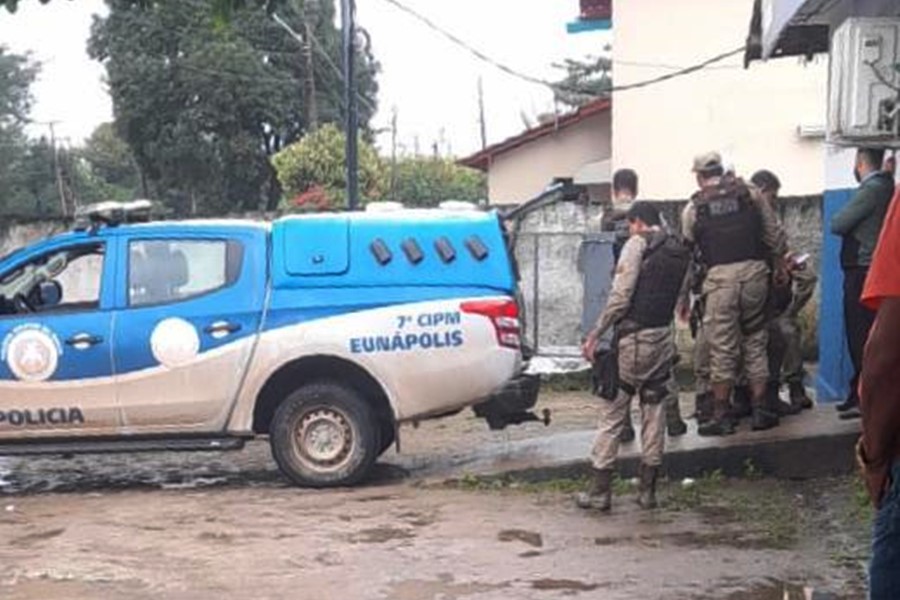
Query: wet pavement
x=213, y=525
x=390, y=541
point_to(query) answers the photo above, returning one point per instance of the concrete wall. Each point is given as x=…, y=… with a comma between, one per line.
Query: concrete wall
x=523, y=172
x=16, y=235
x=548, y=251
x=751, y=115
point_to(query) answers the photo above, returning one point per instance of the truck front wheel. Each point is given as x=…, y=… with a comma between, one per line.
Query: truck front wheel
x=324, y=435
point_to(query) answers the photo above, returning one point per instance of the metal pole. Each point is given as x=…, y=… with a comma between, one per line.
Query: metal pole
x=348, y=22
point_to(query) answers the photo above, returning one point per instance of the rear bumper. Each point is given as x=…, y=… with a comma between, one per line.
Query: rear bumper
x=512, y=403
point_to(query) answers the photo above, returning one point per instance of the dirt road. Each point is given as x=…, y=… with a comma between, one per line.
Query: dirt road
x=226, y=526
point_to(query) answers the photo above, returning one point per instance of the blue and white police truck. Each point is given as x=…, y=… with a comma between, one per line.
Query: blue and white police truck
x=322, y=332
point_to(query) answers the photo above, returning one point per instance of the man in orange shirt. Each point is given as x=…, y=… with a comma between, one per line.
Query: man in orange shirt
x=878, y=450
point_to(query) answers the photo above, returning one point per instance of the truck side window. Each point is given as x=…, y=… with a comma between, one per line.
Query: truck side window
x=165, y=271
x=65, y=280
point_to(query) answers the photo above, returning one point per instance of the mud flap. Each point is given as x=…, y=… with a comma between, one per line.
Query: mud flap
x=512, y=404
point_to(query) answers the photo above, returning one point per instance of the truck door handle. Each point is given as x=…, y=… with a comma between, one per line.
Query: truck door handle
x=83, y=341
x=220, y=329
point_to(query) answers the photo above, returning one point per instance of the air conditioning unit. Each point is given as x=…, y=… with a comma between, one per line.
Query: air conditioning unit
x=864, y=86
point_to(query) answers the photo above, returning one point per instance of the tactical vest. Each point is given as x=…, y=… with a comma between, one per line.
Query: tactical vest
x=729, y=226
x=663, y=267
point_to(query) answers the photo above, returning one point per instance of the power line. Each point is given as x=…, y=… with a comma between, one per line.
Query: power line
x=555, y=87
x=318, y=47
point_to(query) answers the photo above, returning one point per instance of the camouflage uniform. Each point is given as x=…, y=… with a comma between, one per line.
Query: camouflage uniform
x=786, y=356
x=735, y=295
x=645, y=356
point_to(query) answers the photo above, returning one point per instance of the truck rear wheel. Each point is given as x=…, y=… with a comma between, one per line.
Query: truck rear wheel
x=324, y=435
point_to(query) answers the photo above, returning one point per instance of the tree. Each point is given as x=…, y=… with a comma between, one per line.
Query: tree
x=17, y=73
x=585, y=80
x=203, y=106
x=109, y=159
x=313, y=176
x=221, y=9
x=426, y=181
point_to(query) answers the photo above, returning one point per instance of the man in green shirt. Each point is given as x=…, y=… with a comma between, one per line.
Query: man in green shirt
x=859, y=225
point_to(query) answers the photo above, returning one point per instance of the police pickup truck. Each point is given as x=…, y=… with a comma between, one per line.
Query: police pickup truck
x=323, y=332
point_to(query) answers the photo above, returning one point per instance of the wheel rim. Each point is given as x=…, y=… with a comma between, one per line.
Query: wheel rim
x=323, y=439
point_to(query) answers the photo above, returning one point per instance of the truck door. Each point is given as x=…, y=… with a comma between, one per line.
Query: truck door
x=191, y=306
x=56, y=377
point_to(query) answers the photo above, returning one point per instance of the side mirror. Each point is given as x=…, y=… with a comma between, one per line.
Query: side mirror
x=49, y=294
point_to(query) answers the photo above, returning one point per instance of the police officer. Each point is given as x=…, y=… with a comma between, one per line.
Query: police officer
x=738, y=237
x=649, y=277
x=785, y=344
x=625, y=191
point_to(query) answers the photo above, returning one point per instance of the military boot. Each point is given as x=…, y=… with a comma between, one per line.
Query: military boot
x=675, y=425
x=799, y=397
x=741, y=407
x=647, y=486
x=721, y=423
x=763, y=418
x=627, y=435
x=704, y=408
x=776, y=405
x=599, y=494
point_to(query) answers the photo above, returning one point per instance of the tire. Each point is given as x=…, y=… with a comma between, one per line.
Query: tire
x=324, y=435
x=387, y=435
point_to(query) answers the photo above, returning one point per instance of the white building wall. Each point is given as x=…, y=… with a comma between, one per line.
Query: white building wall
x=523, y=172
x=751, y=115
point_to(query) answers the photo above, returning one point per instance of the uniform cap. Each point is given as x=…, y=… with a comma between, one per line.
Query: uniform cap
x=707, y=161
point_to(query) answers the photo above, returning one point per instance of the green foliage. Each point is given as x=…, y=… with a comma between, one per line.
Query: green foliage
x=107, y=159
x=223, y=10
x=317, y=162
x=422, y=181
x=204, y=105
x=585, y=80
x=16, y=76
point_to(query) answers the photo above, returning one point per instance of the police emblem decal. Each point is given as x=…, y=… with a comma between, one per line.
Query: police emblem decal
x=174, y=342
x=31, y=352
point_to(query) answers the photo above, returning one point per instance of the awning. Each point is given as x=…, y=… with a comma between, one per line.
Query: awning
x=594, y=173
x=774, y=31
x=804, y=27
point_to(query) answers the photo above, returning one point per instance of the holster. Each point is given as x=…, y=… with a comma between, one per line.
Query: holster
x=605, y=371
x=696, y=319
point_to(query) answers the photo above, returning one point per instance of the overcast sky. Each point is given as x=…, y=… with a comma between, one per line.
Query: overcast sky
x=431, y=82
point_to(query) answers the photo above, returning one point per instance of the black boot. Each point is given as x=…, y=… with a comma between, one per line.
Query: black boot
x=776, y=405
x=704, y=408
x=762, y=417
x=741, y=407
x=721, y=423
x=626, y=436
x=647, y=486
x=599, y=494
x=675, y=425
x=851, y=403
x=799, y=397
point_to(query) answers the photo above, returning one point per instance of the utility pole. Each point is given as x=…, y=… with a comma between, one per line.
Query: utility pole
x=312, y=107
x=481, y=114
x=309, y=85
x=56, y=167
x=394, y=153
x=348, y=24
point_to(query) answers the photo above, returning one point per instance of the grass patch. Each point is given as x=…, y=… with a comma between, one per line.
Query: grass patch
x=760, y=507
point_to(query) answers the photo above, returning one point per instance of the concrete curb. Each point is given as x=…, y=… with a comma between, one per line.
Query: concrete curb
x=813, y=444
